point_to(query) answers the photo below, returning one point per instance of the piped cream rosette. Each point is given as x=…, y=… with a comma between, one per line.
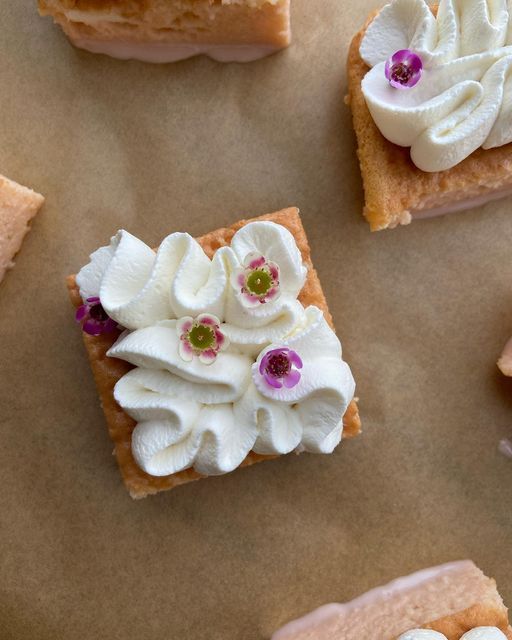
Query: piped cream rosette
x=464, y=98
x=226, y=358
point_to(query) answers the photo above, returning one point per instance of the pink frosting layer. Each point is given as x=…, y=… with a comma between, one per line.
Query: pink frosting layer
x=158, y=52
x=462, y=205
x=339, y=621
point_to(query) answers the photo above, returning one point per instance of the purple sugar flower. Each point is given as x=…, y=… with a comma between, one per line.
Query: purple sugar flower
x=277, y=368
x=403, y=69
x=257, y=282
x=201, y=337
x=94, y=319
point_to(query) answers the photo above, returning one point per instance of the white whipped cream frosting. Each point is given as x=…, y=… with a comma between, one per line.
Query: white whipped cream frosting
x=478, y=633
x=210, y=416
x=463, y=100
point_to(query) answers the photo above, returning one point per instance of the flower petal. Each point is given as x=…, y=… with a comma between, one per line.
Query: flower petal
x=292, y=379
x=222, y=340
x=81, y=312
x=264, y=362
x=272, y=294
x=250, y=300
x=295, y=358
x=274, y=271
x=273, y=382
x=93, y=327
x=254, y=260
x=185, y=351
x=110, y=325
x=208, y=319
x=208, y=356
x=183, y=325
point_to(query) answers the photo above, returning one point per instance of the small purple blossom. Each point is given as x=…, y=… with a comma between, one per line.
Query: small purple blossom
x=94, y=319
x=279, y=367
x=258, y=281
x=200, y=337
x=403, y=69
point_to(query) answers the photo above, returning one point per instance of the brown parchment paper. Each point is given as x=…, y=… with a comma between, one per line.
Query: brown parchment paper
x=422, y=312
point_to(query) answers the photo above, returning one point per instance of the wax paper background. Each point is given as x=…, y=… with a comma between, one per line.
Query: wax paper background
x=422, y=311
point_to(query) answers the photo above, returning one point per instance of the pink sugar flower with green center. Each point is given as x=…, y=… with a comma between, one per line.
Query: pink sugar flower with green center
x=280, y=367
x=403, y=69
x=257, y=282
x=201, y=337
x=94, y=319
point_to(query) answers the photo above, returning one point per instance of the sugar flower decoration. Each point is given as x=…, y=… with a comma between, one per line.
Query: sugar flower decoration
x=279, y=367
x=93, y=317
x=200, y=337
x=403, y=69
x=257, y=282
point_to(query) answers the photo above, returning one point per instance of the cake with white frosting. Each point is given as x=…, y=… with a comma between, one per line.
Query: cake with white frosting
x=454, y=601
x=18, y=206
x=213, y=354
x=170, y=30
x=430, y=95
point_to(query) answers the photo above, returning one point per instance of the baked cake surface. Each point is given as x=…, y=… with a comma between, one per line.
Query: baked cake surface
x=396, y=191
x=170, y=30
x=451, y=599
x=107, y=371
x=18, y=205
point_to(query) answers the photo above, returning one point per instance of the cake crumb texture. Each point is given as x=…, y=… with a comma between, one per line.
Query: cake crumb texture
x=226, y=22
x=18, y=205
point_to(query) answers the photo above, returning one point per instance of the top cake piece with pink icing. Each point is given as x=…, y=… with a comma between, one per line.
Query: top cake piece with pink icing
x=454, y=601
x=171, y=30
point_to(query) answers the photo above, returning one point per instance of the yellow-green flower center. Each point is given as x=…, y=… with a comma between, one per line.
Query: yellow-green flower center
x=201, y=337
x=259, y=282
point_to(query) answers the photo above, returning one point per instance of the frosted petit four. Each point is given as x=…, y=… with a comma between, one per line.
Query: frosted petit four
x=213, y=354
x=430, y=96
x=454, y=601
x=171, y=30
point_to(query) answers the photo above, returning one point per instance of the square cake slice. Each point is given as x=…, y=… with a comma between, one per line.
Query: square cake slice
x=396, y=191
x=18, y=205
x=453, y=599
x=108, y=371
x=171, y=30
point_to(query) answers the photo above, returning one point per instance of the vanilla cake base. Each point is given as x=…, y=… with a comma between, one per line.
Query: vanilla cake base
x=18, y=205
x=396, y=191
x=451, y=599
x=163, y=31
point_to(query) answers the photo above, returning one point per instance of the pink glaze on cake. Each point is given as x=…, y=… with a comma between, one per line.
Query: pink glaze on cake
x=18, y=205
x=462, y=205
x=401, y=605
x=164, y=52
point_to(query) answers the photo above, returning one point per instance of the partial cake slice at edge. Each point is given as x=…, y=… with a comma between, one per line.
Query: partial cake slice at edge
x=161, y=32
x=18, y=206
x=396, y=191
x=107, y=371
x=451, y=599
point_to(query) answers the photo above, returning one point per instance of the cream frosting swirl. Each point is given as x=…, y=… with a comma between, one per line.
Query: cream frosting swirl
x=478, y=633
x=210, y=416
x=464, y=99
